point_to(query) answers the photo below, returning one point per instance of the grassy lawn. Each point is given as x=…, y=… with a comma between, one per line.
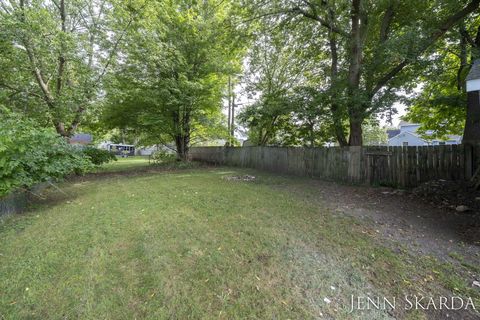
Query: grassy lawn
x=192, y=244
x=123, y=164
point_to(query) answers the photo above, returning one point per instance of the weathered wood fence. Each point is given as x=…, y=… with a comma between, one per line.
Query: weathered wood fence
x=393, y=166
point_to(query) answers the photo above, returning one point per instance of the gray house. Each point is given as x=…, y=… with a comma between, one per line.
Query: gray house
x=407, y=135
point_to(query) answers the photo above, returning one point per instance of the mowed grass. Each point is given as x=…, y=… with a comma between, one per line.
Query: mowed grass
x=193, y=245
x=125, y=164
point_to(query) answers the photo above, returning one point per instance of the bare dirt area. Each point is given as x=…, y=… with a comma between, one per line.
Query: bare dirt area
x=421, y=224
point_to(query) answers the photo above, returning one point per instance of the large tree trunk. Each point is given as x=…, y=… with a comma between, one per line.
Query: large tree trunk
x=355, y=138
x=357, y=38
x=181, y=119
x=181, y=144
x=471, y=133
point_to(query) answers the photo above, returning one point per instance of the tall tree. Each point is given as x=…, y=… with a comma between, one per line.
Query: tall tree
x=54, y=55
x=376, y=47
x=291, y=96
x=441, y=105
x=170, y=82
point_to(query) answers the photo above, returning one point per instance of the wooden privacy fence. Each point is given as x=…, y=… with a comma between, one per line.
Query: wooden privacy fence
x=393, y=166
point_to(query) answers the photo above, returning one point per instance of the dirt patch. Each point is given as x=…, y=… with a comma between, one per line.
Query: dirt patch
x=421, y=224
x=410, y=221
x=240, y=178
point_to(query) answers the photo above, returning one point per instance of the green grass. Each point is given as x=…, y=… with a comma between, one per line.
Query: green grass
x=191, y=245
x=124, y=164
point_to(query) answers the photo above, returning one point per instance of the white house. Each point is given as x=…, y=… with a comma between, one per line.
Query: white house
x=407, y=135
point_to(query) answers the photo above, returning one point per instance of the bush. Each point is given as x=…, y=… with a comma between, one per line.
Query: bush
x=30, y=154
x=99, y=156
x=162, y=156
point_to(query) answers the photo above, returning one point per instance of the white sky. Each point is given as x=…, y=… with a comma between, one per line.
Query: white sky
x=401, y=111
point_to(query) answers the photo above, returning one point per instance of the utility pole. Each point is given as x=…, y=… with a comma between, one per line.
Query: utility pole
x=232, y=124
x=229, y=106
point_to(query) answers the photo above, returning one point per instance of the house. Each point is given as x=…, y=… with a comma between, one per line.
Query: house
x=407, y=135
x=81, y=139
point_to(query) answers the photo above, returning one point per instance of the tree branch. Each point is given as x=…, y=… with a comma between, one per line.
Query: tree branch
x=61, y=58
x=317, y=18
x=17, y=91
x=434, y=36
x=466, y=35
x=386, y=22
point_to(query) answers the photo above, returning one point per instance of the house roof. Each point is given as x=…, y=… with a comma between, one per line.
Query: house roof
x=392, y=133
x=407, y=133
x=474, y=71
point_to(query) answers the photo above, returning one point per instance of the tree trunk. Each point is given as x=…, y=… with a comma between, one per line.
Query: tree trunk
x=181, y=145
x=181, y=119
x=355, y=138
x=354, y=72
x=471, y=134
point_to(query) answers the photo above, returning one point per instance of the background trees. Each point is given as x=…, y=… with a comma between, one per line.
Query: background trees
x=318, y=70
x=440, y=106
x=375, y=48
x=170, y=81
x=54, y=54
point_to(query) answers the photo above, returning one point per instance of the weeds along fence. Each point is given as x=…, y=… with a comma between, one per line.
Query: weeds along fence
x=392, y=166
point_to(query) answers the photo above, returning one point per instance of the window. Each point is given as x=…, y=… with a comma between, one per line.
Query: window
x=441, y=143
x=405, y=144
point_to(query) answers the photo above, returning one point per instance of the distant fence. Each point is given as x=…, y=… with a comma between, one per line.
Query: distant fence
x=393, y=166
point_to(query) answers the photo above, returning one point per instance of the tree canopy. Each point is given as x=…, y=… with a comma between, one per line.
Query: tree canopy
x=315, y=71
x=175, y=62
x=365, y=51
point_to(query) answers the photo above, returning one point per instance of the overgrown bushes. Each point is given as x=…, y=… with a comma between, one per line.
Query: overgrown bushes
x=30, y=154
x=99, y=156
x=162, y=156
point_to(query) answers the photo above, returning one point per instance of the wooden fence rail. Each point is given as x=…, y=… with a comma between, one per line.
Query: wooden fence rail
x=393, y=166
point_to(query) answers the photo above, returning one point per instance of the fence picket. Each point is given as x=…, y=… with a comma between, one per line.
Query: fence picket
x=396, y=166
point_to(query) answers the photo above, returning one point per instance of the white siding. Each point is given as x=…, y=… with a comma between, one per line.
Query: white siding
x=473, y=85
x=411, y=139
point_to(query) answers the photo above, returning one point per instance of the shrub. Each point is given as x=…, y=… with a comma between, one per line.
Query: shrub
x=30, y=154
x=162, y=156
x=99, y=156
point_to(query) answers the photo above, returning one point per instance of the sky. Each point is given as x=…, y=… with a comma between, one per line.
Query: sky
x=401, y=111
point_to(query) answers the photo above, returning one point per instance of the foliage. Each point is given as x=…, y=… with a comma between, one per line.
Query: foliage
x=290, y=108
x=373, y=134
x=54, y=55
x=169, y=86
x=30, y=154
x=361, y=53
x=162, y=156
x=440, y=106
x=98, y=156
